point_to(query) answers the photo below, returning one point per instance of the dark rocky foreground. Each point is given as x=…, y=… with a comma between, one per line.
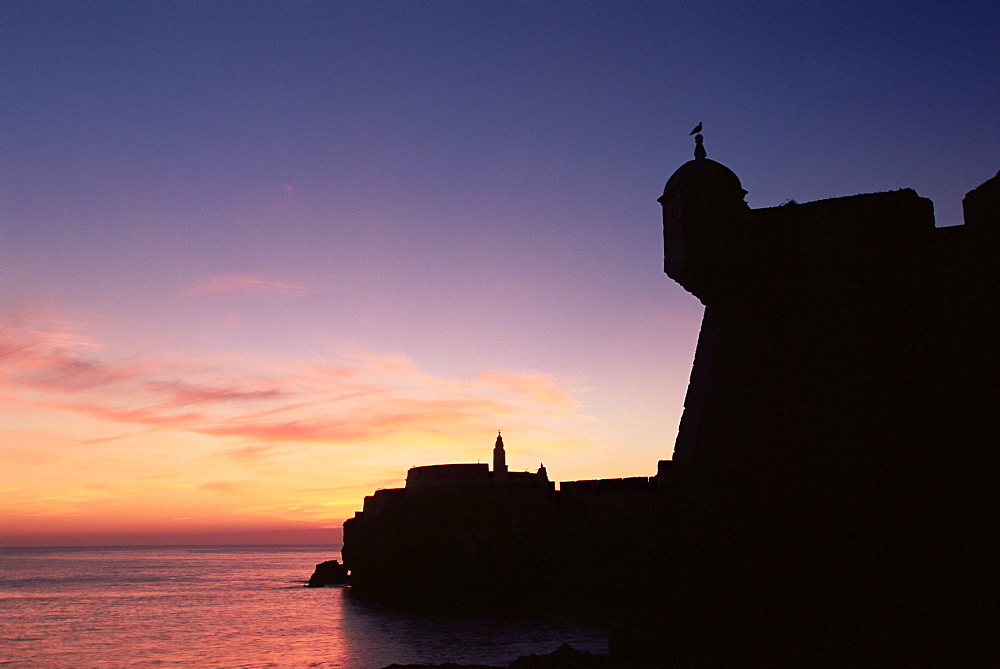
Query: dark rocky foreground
x=565, y=657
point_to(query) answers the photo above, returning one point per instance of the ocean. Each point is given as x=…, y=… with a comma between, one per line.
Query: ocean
x=237, y=606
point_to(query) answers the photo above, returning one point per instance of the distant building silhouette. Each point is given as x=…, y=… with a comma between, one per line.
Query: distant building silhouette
x=457, y=531
x=435, y=477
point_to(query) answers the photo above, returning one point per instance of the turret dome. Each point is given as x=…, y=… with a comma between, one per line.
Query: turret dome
x=704, y=173
x=704, y=217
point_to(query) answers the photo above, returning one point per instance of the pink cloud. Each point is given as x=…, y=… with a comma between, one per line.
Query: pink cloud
x=247, y=284
x=43, y=359
x=360, y=400
x=534, y=386
x=186, y=393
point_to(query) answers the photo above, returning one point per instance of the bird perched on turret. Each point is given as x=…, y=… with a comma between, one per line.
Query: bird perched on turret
x=697, y=128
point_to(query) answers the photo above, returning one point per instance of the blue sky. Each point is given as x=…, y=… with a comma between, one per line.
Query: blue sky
x=453, y=201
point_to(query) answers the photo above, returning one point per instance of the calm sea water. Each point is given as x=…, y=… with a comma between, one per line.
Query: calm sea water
x=235, y=606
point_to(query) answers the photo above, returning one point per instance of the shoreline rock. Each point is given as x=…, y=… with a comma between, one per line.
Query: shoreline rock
x=327, y=573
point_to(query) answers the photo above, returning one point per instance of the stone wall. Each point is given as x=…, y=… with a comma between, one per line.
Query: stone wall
x=504, y=544
x=833, y=501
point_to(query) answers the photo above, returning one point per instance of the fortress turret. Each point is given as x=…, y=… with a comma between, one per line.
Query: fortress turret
x=703, y=212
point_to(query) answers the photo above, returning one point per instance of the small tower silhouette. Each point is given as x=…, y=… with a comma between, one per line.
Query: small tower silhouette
x=499, y=458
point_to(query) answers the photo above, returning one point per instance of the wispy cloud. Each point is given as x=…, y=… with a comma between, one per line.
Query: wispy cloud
x=260, y=405
x=247, y=284
x=534, y=386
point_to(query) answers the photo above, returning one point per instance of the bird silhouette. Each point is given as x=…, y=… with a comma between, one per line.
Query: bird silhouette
x=697, y=128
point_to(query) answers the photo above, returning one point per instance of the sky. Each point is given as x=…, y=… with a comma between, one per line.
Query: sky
x=258, y=259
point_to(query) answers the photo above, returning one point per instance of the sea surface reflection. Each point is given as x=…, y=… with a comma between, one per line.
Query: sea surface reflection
x=237, y=606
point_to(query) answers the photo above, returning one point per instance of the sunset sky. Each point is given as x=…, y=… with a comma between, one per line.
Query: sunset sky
x=258, y=259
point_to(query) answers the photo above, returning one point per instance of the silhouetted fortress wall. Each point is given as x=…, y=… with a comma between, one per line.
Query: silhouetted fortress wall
x=832, y=499
x=460, y=533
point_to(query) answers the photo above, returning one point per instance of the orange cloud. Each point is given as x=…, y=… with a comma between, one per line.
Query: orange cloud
x=190, y=442
x=248, y=284
x=271, y=402
x=533, y=386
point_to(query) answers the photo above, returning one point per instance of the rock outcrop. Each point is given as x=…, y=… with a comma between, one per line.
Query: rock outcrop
x=330, y=572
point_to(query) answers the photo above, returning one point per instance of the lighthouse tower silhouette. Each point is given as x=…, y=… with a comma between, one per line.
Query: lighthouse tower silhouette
x=499, y=459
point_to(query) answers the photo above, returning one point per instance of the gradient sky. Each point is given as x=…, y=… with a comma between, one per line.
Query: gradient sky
x=257, y=259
